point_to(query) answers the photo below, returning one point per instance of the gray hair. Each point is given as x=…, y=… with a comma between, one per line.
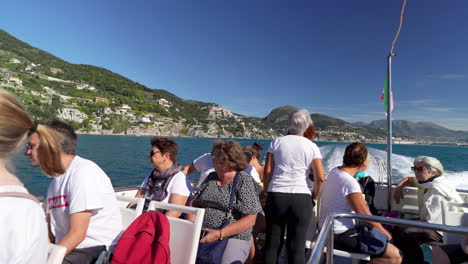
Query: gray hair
x=298, y=121
x=432, y=163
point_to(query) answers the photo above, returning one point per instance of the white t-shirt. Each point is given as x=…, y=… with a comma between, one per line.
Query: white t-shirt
x=293, y=156
x=338, y=185
x=23, y=229
x=85, y=186
x=253, y=172
x=204, y=164
x=177, y=185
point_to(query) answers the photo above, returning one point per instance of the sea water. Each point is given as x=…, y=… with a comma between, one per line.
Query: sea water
x=125, y=159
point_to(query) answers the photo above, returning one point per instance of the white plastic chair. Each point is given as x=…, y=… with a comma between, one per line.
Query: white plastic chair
x=453, y=218
x=184, y=234
x=55, y=254
x=129, y=214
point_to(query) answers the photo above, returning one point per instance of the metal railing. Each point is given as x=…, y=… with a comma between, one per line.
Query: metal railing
x=327, y=231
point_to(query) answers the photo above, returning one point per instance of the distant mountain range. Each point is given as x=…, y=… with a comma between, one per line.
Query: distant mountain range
x=96, y=100
x=427, y=130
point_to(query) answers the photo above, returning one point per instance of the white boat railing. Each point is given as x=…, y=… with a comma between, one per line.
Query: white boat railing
x=325, y=237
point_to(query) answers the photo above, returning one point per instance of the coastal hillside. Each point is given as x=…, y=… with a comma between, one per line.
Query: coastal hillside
x=96, y=100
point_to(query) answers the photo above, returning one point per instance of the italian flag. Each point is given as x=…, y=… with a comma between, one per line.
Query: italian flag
x=384, y=97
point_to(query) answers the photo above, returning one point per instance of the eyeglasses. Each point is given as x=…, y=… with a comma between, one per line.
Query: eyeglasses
x=418, y=169
x=152, y=152
x=29, y=146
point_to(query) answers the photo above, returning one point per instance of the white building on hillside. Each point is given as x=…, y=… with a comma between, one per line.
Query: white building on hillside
x=72, y=114
x=164, y=102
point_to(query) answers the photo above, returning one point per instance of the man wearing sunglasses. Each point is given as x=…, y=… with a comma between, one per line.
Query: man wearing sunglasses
x=433, y=188
x=82, y=210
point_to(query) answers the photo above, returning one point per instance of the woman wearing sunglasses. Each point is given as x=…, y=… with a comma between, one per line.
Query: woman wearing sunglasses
x=166, y=182
x=433, y=188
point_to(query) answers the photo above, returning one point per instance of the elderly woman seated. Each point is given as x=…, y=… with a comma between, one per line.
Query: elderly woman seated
x=166, y=182
x=433, y=188
x=342, y=194
x=214, y=195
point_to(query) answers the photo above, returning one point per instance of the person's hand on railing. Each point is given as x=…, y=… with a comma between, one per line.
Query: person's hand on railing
x=398, y=195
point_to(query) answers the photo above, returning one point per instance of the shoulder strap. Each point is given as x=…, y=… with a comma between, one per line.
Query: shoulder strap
x=19, y=195
x=233, y=191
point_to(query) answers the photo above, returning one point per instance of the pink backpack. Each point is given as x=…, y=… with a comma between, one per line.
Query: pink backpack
x=146, y=241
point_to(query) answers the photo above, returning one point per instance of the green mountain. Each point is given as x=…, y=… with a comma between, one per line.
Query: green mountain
x=108, y=102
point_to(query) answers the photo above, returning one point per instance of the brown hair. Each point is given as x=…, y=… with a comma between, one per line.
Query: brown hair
x=166, y=145
x=254, y=150
x=229, y=154
x=16, y=125
x=355, y=155
x=69, y=137
x=309, y=133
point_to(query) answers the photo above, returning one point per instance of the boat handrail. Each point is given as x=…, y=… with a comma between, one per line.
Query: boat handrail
x=327, y=229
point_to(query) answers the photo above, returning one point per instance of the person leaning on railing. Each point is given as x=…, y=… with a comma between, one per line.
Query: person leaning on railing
x=432, y=189
x=342, y=194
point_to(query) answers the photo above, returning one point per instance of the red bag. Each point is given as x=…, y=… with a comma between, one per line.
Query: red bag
x=146, y=241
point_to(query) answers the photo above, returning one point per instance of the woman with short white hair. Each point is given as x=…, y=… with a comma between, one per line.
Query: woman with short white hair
x=289, y=161
x=433, y=188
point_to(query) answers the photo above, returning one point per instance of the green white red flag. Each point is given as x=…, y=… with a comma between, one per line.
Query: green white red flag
x=384, y=97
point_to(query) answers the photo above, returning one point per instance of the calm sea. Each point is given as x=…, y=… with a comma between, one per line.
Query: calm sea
x=125, y=159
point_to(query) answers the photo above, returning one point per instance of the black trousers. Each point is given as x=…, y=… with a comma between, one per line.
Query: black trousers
x=291, y=210
x=409, y=240
x=83, y=255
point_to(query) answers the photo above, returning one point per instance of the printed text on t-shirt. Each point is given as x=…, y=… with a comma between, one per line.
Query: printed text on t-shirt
x=57, y=202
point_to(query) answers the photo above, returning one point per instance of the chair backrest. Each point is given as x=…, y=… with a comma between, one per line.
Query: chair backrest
x=185, y=234
x=129, y=214
x=453, y=218
x=55, y=254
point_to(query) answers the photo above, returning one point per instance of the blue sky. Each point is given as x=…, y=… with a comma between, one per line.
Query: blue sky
x=251, y=56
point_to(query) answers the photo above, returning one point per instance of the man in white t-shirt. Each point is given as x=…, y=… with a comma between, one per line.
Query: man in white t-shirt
x=83, y=213
x=203, y=164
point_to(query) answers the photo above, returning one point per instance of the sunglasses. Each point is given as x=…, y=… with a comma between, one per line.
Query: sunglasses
x=152, y=152
x=418, y=169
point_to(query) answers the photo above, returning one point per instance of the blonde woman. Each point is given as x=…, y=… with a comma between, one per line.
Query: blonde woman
x=24, y=230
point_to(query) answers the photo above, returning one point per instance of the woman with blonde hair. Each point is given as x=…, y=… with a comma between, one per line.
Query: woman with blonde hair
x=24, y=230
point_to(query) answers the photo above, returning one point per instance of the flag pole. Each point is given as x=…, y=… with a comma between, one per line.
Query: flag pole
x=388, y=101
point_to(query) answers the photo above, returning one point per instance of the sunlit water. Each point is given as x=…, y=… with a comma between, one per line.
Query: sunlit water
x=125, y=159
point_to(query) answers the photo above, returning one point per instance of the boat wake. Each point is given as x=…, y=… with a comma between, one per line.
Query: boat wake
x=333, y=156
